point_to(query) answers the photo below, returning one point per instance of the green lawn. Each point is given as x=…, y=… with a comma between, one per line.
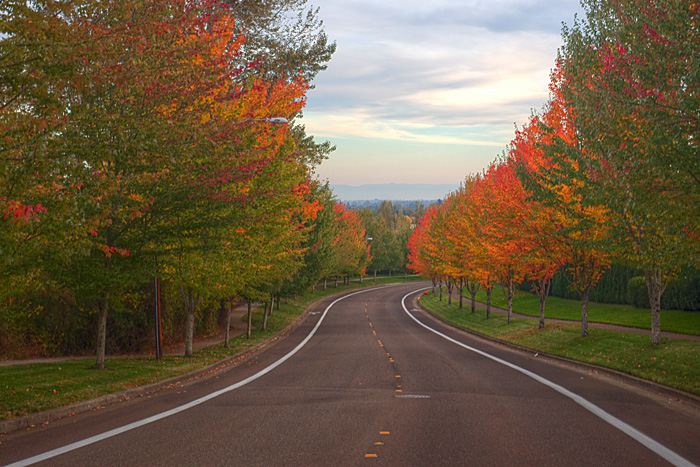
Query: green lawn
x=686, y=322
x=674, y=363
x=36, y=387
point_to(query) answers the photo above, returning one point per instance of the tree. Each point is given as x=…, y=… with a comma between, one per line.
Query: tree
x=319, y=254
x=419, y=257
x=351, y=244
x=381, y=241
x=552, y=176
x=631, y=75
x=501, y=200
x=539, y=227
x=138, y=140
x=285, y=39
x=94, y=77
x=465, y=231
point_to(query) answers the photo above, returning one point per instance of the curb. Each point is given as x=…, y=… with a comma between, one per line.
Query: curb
x=48, y=416
x=683, y=396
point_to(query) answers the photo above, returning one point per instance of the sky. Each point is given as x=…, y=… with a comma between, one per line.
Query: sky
x=429, y=91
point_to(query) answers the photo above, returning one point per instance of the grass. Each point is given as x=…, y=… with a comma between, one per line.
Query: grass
x=674, y=363
x=36, y=387
x=685, y=322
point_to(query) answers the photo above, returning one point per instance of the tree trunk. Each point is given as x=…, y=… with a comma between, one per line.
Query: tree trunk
x=325, y=283
x=360, y=278
x=655, y=287
x=228, y=323
x=542, y=288
x=191, y=299
x=449, y=292
x=510, y=302
x=434, y=285
x=313, y=289
x=542, y=300
x=266, y=309
x=509, y=291
x=461, y=289
x=272, y=304
x=375, y=276
x=584, y=311
x=488, y=302
x=473, y=289
x=250, y=320
x=440, y=289
x=336, y=282
x=189, y=333
x=103, y=309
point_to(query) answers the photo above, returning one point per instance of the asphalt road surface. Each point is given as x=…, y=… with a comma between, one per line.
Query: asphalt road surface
x=363, y=383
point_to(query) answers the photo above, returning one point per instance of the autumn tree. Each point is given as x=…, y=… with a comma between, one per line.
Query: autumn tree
x=93, y=76
x=539, y=226
x=631, y=76
x=129, y=132
x=319, y=252
x=420, y=260
x=502, y=216
x=546, y=165
x=465, y=232
x=351, y=243
x=285, y=39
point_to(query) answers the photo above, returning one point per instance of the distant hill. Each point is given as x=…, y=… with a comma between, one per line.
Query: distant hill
x=393, y=191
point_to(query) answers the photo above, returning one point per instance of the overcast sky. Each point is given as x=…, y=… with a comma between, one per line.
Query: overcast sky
x=430, y=91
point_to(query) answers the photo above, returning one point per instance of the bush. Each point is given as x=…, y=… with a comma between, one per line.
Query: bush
x=682, y=293
x=637, y=292
x=623, y=284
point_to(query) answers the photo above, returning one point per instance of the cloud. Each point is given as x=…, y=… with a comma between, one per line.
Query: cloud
x=358, y=124
x=446, y=72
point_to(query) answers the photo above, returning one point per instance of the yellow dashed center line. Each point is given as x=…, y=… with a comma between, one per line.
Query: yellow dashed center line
x=398, y=386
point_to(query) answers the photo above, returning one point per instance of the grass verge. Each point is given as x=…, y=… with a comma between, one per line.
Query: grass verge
x=685, y=322
x=674, y=363
x=36, y=387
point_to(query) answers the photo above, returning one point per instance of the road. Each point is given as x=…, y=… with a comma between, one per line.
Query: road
x=373, y=386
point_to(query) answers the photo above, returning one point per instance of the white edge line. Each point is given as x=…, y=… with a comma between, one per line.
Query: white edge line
x=131, y=426
x=655, y=446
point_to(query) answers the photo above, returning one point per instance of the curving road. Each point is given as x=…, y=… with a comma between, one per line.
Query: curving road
x=371, y=381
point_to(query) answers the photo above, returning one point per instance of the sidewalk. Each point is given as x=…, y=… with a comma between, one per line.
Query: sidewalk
x=611, y=327
x=238, y=327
